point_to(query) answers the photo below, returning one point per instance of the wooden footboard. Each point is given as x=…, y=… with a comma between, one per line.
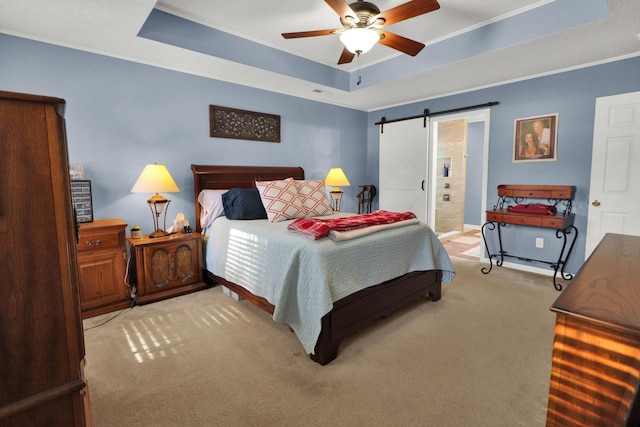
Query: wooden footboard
x=368, y=305
x=357, y=310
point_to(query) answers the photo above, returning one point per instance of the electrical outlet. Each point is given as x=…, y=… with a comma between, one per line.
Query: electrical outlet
x=539, y=242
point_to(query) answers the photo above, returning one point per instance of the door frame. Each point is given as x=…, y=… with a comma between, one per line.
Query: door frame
x=604, y=130
x=480, y=115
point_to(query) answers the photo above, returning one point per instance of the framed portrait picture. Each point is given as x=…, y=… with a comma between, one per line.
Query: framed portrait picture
x=535, y=138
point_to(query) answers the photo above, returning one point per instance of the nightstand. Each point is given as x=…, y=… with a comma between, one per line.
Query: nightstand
x=102, y=259
x=164, y=267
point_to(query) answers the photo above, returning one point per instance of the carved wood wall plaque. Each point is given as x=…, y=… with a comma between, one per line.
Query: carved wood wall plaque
x=240, y=124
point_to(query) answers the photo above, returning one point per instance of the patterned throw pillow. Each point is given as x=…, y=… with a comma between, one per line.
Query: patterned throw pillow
x=280, y=199
x=314, y=197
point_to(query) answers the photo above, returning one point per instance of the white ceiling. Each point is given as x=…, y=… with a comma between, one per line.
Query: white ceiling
x=110, y=27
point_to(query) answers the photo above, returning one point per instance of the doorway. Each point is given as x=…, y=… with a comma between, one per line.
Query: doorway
x=614, y=189
x=409, y=167
x=450, y=139
x=472, y=160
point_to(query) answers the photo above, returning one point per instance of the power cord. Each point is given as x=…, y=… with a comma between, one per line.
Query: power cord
x=108, y=320
x=133, y=289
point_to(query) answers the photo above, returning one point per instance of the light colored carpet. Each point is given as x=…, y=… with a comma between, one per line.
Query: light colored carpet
x=481, y=356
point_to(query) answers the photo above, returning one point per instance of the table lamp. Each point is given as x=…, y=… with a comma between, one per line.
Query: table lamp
x=156, y=178
x=336, y=178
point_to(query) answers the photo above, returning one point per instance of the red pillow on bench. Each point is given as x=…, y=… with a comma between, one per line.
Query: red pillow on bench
x=533, y=209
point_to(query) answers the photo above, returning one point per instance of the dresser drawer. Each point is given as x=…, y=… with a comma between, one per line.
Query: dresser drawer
x=101, y=235
x=566, y=195
x=533, y=194
x=494, y=216
x=557, y=192
x=558, y=222
x=100, y=241
x=534, y=221
x=519, y=192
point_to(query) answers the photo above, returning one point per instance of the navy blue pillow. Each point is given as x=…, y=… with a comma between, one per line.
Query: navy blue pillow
x=243, y=203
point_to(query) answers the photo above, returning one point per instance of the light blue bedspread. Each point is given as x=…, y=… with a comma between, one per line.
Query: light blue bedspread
x=302, y=277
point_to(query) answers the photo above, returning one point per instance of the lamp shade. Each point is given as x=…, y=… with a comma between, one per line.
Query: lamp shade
x=155, y=178
x=359, y=40
x=336, y=178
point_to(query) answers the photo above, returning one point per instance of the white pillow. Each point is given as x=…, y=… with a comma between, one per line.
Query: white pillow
x=210, y=206
x=314, y=197
x=280, y=199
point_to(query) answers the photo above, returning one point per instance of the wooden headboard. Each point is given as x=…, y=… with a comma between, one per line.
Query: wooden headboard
x=226, y=177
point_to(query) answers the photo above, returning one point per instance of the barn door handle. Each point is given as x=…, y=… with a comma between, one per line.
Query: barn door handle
x=595, y=203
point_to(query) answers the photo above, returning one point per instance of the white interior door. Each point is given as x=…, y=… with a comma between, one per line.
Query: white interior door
x=403, y=167
x=614, y=192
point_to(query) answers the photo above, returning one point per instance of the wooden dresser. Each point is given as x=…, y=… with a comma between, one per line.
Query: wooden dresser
x=102, y=262
x=595, y=374
x=41, y=342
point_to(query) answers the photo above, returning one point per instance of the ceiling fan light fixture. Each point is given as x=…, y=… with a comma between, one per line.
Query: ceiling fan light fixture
x=359, y=40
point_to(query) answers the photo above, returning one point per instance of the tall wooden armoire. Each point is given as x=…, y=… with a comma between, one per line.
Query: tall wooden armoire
x=41, y=341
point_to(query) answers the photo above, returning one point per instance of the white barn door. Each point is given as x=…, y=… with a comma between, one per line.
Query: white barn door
x=614, y=192
x=403, y=167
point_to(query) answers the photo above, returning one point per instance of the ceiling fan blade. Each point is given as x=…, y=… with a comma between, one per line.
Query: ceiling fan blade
x=403, y=44
x=408, y=10
x=341, y=7
x=308, y=34
x=346, y=56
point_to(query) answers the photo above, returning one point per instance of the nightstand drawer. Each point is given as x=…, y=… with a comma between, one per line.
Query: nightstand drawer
x=102, y=234
x=100, y=241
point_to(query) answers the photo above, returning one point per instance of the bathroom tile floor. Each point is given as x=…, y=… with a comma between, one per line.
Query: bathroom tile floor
x=467, y=245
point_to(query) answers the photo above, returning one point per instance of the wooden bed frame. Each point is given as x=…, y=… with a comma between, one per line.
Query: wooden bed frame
x=348, y=314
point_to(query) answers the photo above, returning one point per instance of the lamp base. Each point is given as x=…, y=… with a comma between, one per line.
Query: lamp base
x=157, y=233
x=336, y=195
x=158, y=205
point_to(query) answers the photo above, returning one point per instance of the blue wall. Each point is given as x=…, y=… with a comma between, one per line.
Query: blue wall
x=572, y=95
x=122, y=115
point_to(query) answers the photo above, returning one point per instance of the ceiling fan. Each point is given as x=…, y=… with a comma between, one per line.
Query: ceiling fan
x=362, y=24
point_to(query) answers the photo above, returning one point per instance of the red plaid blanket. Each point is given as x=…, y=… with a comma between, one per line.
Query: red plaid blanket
x=317, y=228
